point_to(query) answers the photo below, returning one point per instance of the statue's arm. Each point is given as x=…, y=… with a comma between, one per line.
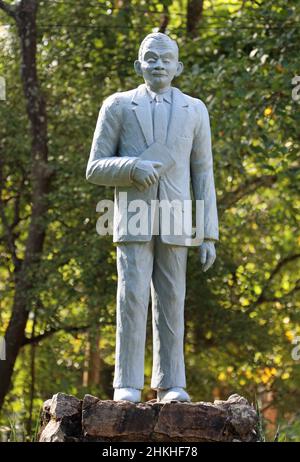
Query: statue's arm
x=202, y=176
x=104, y=166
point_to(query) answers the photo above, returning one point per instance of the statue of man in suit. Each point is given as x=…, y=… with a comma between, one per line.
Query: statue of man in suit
x=151, y=143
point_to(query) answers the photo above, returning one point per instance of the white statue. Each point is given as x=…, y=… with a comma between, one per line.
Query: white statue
x=151, y=143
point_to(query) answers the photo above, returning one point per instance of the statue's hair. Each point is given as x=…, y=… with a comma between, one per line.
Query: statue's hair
x=160, y=38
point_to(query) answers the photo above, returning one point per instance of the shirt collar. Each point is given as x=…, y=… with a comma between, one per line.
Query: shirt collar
x=167, y=96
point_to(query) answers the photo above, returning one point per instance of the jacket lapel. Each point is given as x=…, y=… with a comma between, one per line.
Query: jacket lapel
x=141, y=107
x=179, y=115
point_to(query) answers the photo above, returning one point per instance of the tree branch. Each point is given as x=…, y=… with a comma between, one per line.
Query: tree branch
x=164, y=20
x=10, y=10
x=52, y=331
x=262, y=298
x=250, y=186
x=278, y=299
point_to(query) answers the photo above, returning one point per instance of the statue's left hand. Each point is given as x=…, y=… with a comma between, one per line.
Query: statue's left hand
x=207, y=254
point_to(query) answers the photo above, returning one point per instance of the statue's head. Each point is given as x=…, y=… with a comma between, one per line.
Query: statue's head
x=158, y=61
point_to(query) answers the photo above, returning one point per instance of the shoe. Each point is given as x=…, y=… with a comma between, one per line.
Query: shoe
x=127, y=394
x=172, y=394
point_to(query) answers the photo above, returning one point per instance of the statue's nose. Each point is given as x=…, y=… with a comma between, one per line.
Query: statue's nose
x=159, y=64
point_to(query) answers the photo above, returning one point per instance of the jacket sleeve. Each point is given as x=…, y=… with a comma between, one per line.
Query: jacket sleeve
x=105, y=167
x=202, y=175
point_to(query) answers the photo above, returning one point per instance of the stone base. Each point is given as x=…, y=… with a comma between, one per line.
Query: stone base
x=66, y=418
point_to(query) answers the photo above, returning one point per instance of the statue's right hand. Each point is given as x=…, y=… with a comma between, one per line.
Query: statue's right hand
x=145, y=173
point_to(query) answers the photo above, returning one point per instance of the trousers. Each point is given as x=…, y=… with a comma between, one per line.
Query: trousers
x=159, y=268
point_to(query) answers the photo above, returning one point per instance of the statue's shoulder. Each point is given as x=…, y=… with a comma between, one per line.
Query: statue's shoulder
x=119, y=98
x=195, y=103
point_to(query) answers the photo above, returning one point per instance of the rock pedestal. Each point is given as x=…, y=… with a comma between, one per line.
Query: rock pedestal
x=66, y=418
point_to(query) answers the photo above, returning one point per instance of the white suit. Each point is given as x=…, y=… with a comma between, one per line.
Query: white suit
x=124, y=131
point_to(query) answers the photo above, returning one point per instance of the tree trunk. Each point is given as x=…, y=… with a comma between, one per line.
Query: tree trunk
x=92, y=362
x=95, y=359
x=25, y=16
x=32, y=378
x=194, y=15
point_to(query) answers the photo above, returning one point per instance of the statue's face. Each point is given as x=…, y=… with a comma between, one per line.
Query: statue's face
x=159, y=64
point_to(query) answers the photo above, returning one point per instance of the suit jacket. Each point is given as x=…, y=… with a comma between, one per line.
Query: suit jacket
x=124, y=131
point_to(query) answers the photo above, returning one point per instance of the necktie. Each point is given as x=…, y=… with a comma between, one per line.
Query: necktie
x=160, y=120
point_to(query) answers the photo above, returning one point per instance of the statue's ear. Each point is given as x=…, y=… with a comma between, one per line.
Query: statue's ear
x=138, y=67
x=180, y=67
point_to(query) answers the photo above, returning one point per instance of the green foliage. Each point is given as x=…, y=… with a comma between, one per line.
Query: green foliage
x=241, y=316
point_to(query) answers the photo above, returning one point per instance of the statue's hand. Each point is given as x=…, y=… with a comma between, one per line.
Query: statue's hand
x=145, y=174
x=207, y=254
